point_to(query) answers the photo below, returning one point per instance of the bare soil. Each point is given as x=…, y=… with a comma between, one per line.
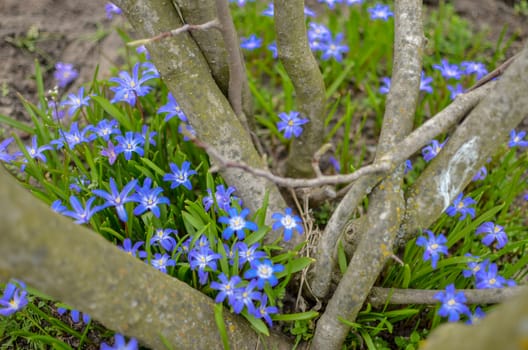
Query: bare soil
x=50, y=31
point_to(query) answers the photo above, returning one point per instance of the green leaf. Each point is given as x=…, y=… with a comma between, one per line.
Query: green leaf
x=257, y=236
x=194, y=221
x=257, y=324
x=113, y=111
x=341, y=257
x=295, y=265
x=308, y=315
x=153, y=166
x=16, y=124
x=219, y=318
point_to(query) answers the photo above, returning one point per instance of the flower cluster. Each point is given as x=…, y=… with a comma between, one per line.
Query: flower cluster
x=13, y=299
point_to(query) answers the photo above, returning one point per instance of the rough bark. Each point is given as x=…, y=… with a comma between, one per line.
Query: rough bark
x=186, y=73
x=214, y=49
x=303, y=70
x=471, y=144
x=73, y=264
x=386, y=206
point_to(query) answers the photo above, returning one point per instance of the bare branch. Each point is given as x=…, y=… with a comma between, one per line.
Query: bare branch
x=223, y=162
x=183, y=29
x=385, y=207
x=381, y=296
x=236, y=68
x=302, y=68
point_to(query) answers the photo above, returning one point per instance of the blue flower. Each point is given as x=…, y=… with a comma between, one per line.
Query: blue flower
x=64, y=74
x=200, y=259
x=434, y=246
x=264, y=311
x=58, y=206
x=251, y=43
x=488, y=278
x=408, y=166
x=354, y=2
x=431, y=151
x=117, y=199
x=148, y=198
x=474, y=68
x=223, y=198
x=380, y=11
x=474, y=267
x=131, y=142
x=245, y=296
x=35, y=151
x=180, y=176
x=517, y=139
x=105, y=128
x=13, y=299
x=241, y=2
x=161, y=262
x=452, y=304
x=493, y=233
x=56, y=111
x=424, y=83
x=291, y=124
x=481, y=174
x=130, y=87
x=273, y=48
x=82, y=215
x=385, y=87
x=455, y=90
x=172, y=108
x=4, y=154
x=111, y=10
x=447, y=70
x=75, y=315
x=110, y=152
x=133, y=249
x=74, y=136
x=333, y=48
x=141, y=49
x=236, y=223
x=150, y=69
x=331, y=3
x=288, y=222
x=163, y=238
x=227, y=288
x=264, y=271
x=248, y=254
x=121, y=344
x=476, y=316
x=461, y=205
x=318, y=35
x=76, y=101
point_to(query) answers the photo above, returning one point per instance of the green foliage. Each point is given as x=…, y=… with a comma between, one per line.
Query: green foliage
x=353, y=121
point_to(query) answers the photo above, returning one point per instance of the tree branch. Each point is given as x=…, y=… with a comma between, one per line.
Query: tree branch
x=386, y=204
x=74, y=265
x=187, y=75
x=394, y=296
x=302, y=68
x=339, y=221
x=469, y=147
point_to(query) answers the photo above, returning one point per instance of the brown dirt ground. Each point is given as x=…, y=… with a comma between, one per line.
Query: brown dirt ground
x=65, y=31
